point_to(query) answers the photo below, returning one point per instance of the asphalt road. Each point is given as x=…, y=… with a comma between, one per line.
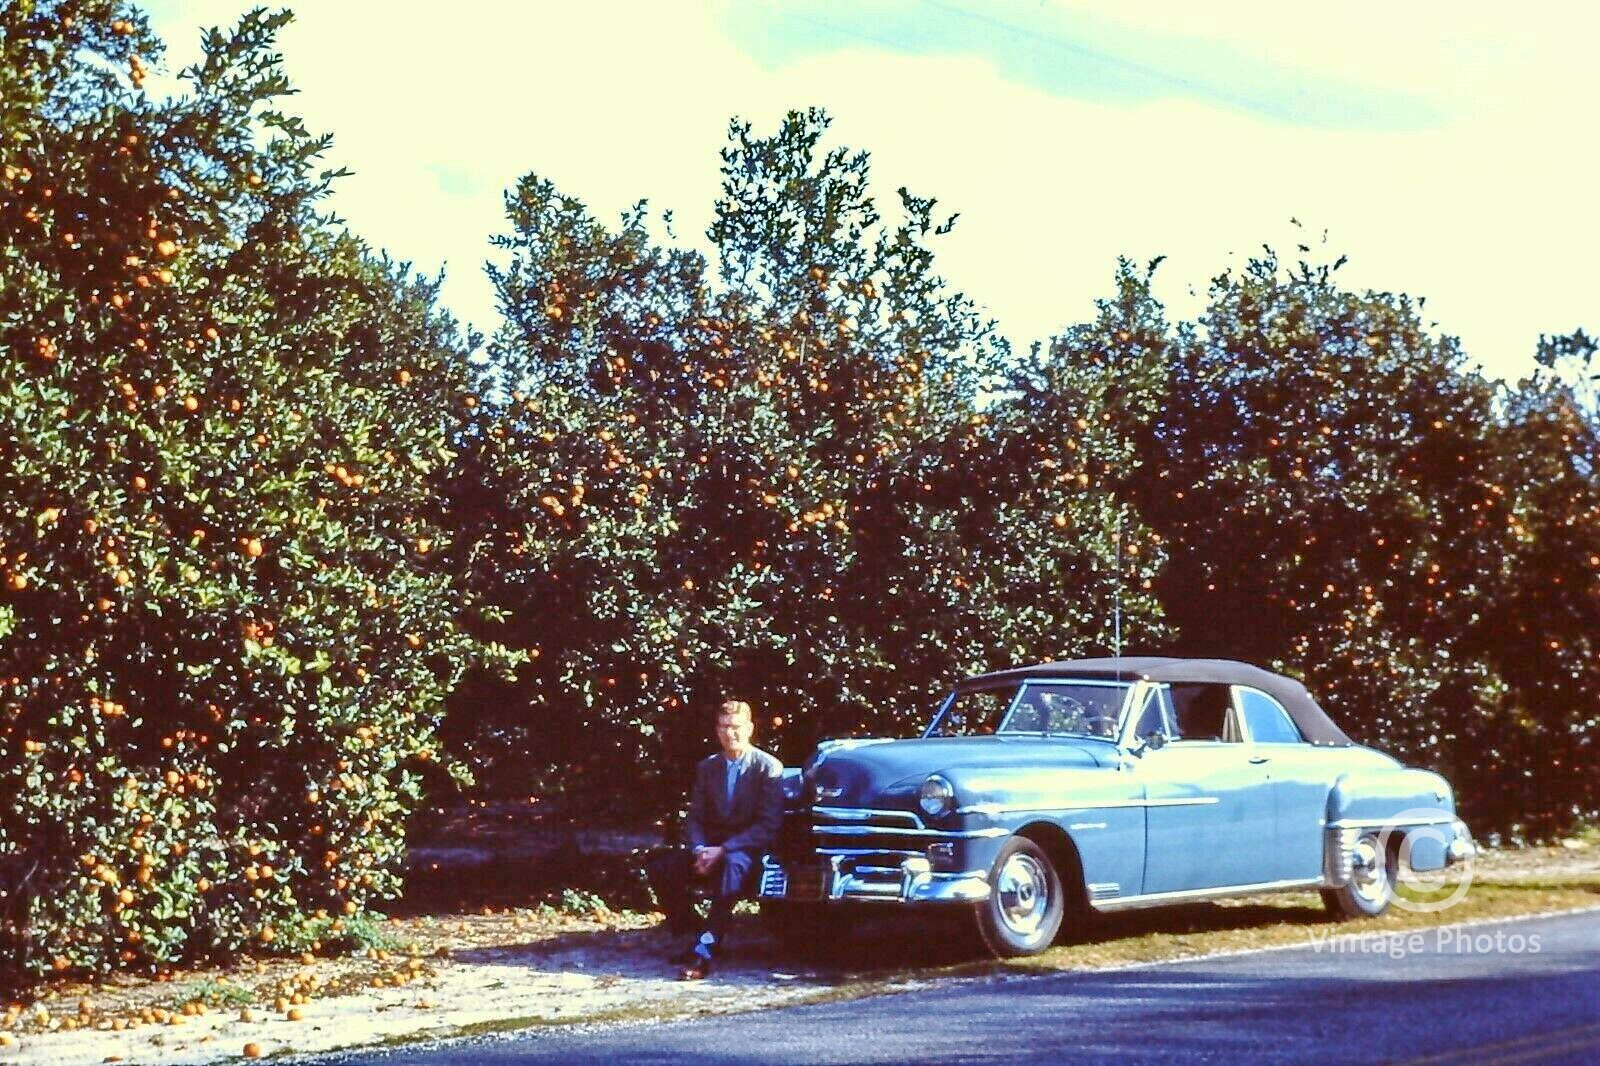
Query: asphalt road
x=1511, y=992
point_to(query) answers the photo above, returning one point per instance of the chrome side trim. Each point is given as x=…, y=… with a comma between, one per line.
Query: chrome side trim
x=1157, y=899
x=1389, y=823
x=856, y=853
x=992, y=809
x=865, y=814
x=887, y=830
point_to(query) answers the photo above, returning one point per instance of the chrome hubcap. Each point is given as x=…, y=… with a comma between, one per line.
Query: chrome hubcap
x=1369, y=877
x=1023, y=891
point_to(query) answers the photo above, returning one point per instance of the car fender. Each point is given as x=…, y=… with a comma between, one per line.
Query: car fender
x=1097, y=809
x=1415, y=808
x=1375, y=797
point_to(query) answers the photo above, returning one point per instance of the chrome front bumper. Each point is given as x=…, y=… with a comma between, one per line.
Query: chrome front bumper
x=1340, y=841
x=1462, y=847
x=913, y=881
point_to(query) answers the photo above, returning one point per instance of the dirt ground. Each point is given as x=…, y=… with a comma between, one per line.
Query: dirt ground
x=450, y=971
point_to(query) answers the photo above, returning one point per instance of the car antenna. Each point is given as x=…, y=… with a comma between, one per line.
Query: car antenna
x=1116, y=600
x=1116, y=595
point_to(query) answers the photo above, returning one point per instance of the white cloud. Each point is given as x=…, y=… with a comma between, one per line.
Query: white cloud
x=438, y=108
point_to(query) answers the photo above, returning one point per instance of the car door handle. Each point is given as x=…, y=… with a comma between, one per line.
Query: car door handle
x=1257, y=760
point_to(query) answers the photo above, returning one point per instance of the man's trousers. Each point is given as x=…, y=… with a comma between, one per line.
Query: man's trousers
x=673, y=880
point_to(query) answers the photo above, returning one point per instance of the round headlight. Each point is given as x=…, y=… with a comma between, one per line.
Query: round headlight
x=938, y=796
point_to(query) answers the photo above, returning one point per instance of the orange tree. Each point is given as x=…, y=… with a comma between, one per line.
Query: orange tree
x=1070, y=424
x=779, y=474
x=1541, y=626
x=224, y=639
x=1342, y=497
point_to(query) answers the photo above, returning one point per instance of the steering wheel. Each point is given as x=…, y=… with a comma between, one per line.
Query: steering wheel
x=1067, y=714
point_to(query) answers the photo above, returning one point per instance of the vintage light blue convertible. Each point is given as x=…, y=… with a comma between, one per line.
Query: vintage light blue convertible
x=1039, y=795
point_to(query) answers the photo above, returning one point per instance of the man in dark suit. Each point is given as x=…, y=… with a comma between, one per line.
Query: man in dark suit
x=735, y=811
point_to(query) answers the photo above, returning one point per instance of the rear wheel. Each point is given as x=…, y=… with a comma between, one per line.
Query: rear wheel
x=1373, y=870
x=1026, y=901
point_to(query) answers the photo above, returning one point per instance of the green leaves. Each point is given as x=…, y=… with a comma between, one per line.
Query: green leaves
x=1340, y=495
x=218, y=603
x=705, y=478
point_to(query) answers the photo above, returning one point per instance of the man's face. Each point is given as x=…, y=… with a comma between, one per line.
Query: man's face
x=733, y=733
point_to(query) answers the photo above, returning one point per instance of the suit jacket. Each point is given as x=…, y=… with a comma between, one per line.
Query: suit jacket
x=752, y=820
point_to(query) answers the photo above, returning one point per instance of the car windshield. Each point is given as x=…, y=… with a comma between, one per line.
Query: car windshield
x=1057, y=708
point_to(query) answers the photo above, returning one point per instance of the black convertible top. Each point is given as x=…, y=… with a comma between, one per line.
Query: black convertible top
x=1313, y=721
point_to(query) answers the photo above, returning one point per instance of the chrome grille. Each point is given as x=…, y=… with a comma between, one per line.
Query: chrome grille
x=864, y=817
x=774, y=881
x=862, y=831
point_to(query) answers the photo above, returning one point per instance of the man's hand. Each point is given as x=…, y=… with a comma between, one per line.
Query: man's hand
x=705, y=858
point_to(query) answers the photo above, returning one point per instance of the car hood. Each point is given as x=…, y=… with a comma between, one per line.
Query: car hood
x=860, y=773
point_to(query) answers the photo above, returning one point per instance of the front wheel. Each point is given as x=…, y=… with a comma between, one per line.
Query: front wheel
x=1026, y=901
x=1373, y=870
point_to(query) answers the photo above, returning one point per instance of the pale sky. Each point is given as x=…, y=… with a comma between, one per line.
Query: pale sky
x=1446, y=148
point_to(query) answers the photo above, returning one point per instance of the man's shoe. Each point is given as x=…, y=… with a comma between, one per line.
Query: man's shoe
x=699, y=964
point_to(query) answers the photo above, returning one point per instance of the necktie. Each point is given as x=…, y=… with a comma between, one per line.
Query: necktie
x=733, y=779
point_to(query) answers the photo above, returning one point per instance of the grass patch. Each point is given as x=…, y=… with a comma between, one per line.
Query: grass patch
x=1287, y=920
x=929, y=947
x=214, y=993
x=362, y=931
x=575, y=903
x=889, y=950
x=926, y=945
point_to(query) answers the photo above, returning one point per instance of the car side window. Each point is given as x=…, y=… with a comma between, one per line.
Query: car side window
x=1269, y=723
x=1204, y=712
